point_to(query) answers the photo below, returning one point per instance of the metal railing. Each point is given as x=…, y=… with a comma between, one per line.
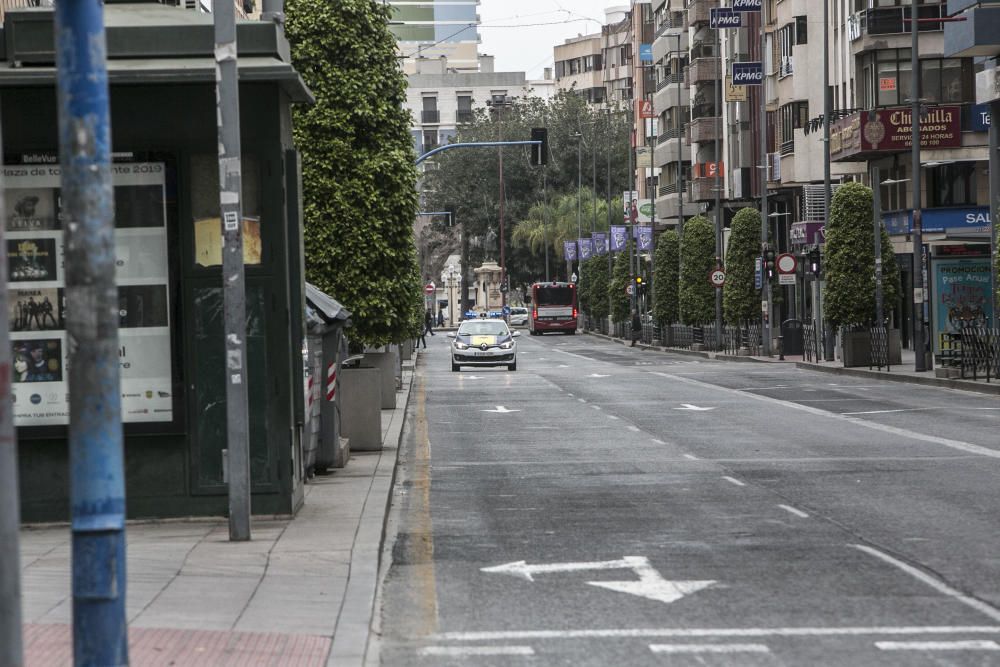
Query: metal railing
x=879, y=337
x=741, y=339
x=811, y=348
x=980, y=352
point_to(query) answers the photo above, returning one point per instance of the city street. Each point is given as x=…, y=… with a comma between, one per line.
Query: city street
x=611, y=506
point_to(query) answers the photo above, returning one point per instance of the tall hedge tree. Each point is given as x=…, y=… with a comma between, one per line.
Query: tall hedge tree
x=740, y=297
x=697, y=296
x=621, y=303
x=666, y=287
x=849, y=261
x=358, y=176
x=598, y=275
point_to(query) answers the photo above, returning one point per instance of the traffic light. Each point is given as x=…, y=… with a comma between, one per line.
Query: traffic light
x=539, y=152
x=769, y=262
x=815, y=261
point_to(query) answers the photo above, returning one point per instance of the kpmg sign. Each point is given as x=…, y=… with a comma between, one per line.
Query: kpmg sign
x=748, y=74
x=725, y=18
x=747, y=5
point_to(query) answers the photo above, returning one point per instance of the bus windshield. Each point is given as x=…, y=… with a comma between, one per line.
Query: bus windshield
x=554, y=296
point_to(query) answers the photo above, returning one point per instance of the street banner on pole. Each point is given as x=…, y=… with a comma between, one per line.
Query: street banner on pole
x=645, y=237
x=569, y=250
x=618, y=237
x=586, y=248
x=600, y=243
x=627, y=199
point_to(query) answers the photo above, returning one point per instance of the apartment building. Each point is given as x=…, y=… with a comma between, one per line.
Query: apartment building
x=579, y=67
x=435, y=28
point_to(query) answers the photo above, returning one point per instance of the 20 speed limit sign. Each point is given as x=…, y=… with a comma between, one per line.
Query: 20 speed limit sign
x=717, y=277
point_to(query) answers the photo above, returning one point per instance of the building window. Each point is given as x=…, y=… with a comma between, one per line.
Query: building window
x=886, y=79
x=952, y=184
x=430, y=140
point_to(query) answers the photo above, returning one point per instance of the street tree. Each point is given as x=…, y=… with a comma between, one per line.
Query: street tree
x=697, y=295
x=740, y=297
x=621, y=303
x=358, y=174
x=849, y=260
x=666, y=286
x=598, y=291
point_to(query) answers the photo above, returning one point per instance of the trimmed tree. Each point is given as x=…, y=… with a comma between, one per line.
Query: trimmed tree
x=358, y=176
x=697, y=295
x=849, y=260
x=740, y=298
x=666, y=268
x=621, y=304
x=598, y=276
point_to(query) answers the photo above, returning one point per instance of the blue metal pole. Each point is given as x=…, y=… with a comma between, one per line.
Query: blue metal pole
x=97, y=481
x=473, y=144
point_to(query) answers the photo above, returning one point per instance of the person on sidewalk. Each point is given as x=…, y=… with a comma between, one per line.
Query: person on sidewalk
x=421, y=338
x=428, y=322
x=636, y=327
x=440, y=318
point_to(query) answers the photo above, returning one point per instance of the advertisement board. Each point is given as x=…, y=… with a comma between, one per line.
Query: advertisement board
x=889, y=130
x=961, y=294
x=38, y=296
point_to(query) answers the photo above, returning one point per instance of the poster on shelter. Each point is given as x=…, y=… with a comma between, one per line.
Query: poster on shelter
x=961, y=294
x=38, y=300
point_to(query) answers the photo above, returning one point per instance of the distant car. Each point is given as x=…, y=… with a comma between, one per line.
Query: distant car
x=519, y=316
x=484, y=342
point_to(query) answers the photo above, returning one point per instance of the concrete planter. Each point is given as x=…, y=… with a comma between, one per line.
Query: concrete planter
x=387, y=363
x=406, y=350
x=856, y=350
x=361, y=414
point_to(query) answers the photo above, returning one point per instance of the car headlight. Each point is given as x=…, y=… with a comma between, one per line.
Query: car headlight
x=459, y=345
x=506, y=346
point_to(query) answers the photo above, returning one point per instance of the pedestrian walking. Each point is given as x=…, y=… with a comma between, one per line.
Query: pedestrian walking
x=636, y=327
x=428, y=322
x=421, y=338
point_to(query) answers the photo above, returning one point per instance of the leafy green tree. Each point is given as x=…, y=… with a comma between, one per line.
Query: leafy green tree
x=666, y=285
x=598, y=280
x=740, y=298
x=583, y=292
x=621, y=304
x=697, y=296
x=849, y=261
x=359, y=194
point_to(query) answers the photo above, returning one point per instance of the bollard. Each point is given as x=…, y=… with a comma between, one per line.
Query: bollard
x=781, y=348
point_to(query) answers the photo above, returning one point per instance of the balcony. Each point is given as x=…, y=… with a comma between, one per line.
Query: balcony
x=671, y=146
x=464, y=116
x=868, y=29
x=699, y=11
x=666, y=97
x=430, y=116
x=668, y=203
x=704, y=129
x=786, y=67
x=703, y=189
x=702, y=70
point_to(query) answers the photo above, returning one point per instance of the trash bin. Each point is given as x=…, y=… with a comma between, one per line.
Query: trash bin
x=326, y=321
x=792, y=337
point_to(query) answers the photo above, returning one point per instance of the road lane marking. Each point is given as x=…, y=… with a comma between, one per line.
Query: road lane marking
x=693, y=408
x=967, y=645
x=500, y=410
x=659, y=442
x=462, y=651
x=709, y=648
x=796, y=512
x=691, y=456
x=875, y=426
x=934, y=583
x=634, y=429
x=596, y=407
x=733, y=480
x=612, y=417
x=634, y=633
x=582, y=400
x=883, y=412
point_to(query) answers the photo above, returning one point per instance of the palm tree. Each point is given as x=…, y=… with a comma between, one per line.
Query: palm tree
x=556, y=222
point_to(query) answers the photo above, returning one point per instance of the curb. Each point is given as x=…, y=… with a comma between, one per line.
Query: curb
x=351, y=634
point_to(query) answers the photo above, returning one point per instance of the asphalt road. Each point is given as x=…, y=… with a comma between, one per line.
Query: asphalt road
x=609, y=506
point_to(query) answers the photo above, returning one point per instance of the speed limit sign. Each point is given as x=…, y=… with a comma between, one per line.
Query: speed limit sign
x=717, y=277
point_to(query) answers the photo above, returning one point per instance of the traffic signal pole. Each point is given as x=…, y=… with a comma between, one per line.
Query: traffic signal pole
x=97, y=479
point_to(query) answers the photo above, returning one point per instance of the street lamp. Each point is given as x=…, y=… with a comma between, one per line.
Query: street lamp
x=579, y=201
x=499, y=103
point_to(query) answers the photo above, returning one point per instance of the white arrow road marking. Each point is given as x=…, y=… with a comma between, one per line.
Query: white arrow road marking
x=650, y=585
x=501, y=410
x=695, y=408
x=598, y=375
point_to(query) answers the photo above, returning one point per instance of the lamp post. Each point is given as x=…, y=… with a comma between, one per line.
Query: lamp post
x=499, y=103
x=579, y=200
x=765, y=329
x=776, y=216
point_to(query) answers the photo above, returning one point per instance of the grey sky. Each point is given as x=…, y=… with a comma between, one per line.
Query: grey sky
x=528, y=47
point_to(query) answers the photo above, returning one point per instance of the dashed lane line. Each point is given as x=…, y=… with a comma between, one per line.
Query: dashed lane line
x=658, y=441
x=709, y=648
x=692, y=457
x=966, y=645
x=634, y=429
x=792, y=510
x=733, y=480
x=653, y=633
x=933, y=582
x=464, y=651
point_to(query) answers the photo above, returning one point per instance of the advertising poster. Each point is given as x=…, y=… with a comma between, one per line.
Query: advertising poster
x=961, y=295
x=38, y=300
x=586, y=248
x=569, y=250
x=600, y=243
x=618, y=238
x=645, y=238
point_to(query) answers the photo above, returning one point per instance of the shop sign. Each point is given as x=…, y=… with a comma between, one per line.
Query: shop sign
x=979, y=118
x=937, y=220
x=36, y=283
x=735, y=93
x=707, y=169
x=890, y=131
x=807, y=233
x=887, y=83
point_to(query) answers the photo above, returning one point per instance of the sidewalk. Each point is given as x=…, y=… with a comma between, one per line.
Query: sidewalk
x=301, y=592
x=901, y=373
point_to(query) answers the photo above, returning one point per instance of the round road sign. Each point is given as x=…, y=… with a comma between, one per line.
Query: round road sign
x=787, y=263
x=429, y=288
x=717, y=277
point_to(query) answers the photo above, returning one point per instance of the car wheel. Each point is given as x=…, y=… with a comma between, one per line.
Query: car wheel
x=513, y=366
x=455, y=367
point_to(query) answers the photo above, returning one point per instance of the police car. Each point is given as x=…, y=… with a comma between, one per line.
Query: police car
x=484, y=342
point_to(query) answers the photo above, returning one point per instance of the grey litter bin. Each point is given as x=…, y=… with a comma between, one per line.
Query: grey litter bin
x=327, y=350
x=792, y=338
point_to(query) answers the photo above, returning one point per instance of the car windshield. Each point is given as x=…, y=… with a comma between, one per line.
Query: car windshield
x=483, y=328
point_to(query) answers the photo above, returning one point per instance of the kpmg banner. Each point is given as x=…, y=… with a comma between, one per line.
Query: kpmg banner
x=961, y=294
x=645, y=237
x=586, y=248
x=618, y=237
x=600, y=243
x=569, y=250
x=969, y=219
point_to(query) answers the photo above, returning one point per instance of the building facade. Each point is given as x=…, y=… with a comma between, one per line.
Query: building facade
x=435, y=28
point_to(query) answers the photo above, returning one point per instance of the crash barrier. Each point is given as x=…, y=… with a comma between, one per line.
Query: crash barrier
x=978, y=352
x=879, y=336
x=810, y=343
x=741, y=339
